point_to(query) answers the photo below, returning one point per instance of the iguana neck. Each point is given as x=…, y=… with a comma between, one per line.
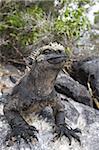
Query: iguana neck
x=42, y=80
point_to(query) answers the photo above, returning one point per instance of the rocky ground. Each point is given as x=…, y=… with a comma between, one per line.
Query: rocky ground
x=78, y=115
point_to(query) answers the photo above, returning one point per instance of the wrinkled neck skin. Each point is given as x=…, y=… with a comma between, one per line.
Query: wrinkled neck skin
x=42, y=80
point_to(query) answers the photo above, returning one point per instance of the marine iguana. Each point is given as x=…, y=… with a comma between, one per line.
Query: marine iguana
x=36, y=91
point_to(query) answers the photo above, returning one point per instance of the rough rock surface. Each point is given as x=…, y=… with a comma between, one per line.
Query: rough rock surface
x=83, y=69
x=87, y=71
x=77, y=115
x=73, y=89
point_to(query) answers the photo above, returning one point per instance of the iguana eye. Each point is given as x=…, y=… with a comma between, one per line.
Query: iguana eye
x=47, y=51
x=59, y=51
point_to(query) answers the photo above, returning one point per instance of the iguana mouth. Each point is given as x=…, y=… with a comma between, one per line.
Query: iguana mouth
x=57, y=59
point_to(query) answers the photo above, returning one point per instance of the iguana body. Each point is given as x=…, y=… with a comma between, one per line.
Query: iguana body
x=36, y=91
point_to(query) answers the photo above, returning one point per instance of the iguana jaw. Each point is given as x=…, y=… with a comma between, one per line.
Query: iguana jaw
x=56, y=59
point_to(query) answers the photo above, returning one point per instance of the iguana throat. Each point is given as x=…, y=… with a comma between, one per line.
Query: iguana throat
x=42, y=80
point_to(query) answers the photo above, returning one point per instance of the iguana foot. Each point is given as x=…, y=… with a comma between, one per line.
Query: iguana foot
x=25, y=132
x=69, y=133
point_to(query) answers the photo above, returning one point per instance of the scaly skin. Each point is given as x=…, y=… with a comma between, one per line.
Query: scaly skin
x=36, y=91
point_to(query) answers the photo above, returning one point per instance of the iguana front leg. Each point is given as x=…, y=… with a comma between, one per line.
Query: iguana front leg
x=61, y=127
x=19, y=127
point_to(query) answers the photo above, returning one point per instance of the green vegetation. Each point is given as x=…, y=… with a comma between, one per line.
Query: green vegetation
x=21, y=26
x=73, y=20
x=96, y=17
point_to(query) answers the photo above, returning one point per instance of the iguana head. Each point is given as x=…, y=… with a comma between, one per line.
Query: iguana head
x=47, y=62
x=52, y=55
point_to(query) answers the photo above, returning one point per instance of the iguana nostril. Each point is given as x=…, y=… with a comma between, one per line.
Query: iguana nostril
x=59, y=51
